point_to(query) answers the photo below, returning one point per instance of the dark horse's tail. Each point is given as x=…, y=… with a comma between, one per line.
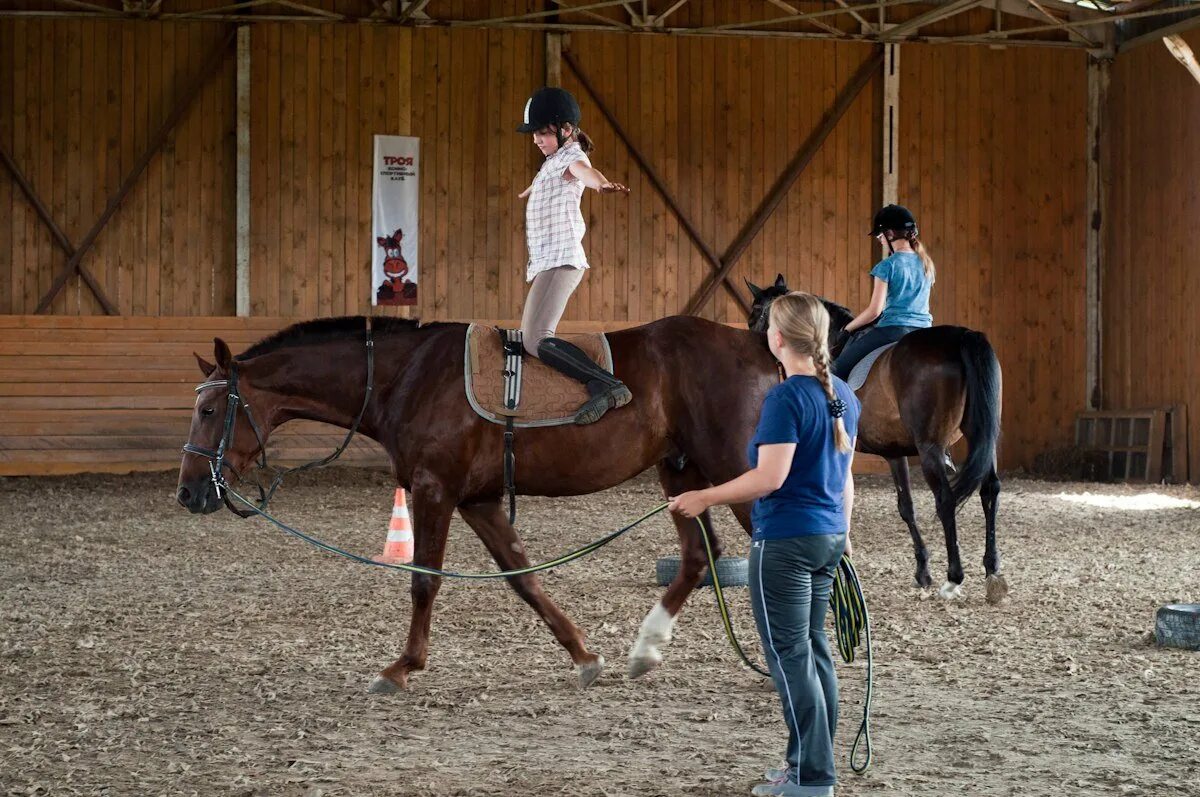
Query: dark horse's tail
x=981, y=417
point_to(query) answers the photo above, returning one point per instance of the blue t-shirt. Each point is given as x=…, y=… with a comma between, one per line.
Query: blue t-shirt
x=810, y=500
x=908, y=291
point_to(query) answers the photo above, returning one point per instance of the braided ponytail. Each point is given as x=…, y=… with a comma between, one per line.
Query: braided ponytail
x=804, y=323
x=837, y=407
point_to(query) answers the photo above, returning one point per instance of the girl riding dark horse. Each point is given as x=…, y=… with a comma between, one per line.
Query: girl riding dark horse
x=935, y=386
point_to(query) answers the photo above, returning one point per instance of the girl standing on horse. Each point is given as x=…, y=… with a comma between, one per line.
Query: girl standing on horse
x=900, y=299
x=554, y=232
x=803, y=493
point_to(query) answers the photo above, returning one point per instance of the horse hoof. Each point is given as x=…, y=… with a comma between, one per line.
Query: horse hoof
x=997, y=589
x=383, y=686
x=588, y=673
x=644, y=664
x=922, y=581
x=950, y=591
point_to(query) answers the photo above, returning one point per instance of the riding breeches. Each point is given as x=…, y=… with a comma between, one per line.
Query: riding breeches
x=545, y=304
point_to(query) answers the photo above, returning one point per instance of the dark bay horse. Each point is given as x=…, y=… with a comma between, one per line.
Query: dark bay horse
x=934, y=387
x=698, y=388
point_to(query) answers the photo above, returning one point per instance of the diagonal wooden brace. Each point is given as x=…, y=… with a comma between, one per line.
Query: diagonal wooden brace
x=655, y=180
x=59, y=236
x=185, y=101
x=797, y=166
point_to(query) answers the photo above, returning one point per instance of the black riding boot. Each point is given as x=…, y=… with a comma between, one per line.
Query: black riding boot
x=607, y=392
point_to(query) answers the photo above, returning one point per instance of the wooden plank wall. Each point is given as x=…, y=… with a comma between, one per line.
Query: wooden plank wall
x=992, y=161
x=993, y=167
x=81, y=101
x=1151, y=330
x=106, y=393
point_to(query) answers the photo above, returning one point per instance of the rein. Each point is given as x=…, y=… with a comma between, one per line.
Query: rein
x=216, y=459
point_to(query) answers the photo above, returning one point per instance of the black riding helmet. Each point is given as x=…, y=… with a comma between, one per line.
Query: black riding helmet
x=550, y=107
x=893, y=217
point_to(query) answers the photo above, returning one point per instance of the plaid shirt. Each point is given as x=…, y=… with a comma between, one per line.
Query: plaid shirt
x=554, y=225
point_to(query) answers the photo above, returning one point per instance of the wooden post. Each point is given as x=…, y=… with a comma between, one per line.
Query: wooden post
x=554, y=50
x=243, y=171
x=891, y=123
x=1098, y=77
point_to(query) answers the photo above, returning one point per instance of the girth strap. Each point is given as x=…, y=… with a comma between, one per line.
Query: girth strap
x=514, y=353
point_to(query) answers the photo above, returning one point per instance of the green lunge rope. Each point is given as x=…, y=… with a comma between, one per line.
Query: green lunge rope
x=852, y=623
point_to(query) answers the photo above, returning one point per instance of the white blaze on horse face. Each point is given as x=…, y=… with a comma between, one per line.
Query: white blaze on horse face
x=655, y=631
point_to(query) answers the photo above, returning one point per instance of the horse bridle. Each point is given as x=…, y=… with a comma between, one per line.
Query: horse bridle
x=216, y=459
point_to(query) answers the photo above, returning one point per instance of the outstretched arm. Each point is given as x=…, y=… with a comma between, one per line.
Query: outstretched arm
x=592, y=178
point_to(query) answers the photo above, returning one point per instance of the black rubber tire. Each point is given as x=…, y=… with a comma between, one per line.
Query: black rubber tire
x=1178, y=626
x=734, y=571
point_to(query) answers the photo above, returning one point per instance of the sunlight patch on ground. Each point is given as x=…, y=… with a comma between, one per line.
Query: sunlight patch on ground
x=1138, y=503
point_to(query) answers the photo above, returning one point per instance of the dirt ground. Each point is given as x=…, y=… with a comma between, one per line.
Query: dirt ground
x=145, y=651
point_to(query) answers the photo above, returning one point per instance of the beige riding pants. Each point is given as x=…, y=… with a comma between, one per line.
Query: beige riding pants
x=546, y=302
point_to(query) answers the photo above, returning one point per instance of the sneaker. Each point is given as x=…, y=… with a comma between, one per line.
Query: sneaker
x=776, y=774
x=787, y=788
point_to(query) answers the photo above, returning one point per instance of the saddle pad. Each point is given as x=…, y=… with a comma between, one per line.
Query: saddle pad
x=547, y=397
x=860, y=372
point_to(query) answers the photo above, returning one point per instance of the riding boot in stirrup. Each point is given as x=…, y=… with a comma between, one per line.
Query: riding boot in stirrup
x=607, y=392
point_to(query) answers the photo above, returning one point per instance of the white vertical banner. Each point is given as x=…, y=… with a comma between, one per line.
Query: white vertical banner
x=394, y=220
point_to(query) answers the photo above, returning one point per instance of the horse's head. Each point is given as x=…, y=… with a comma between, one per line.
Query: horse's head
x=760, y=316
x=225, y=433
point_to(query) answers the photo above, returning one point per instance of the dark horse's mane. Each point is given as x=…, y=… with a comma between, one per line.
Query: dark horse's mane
x=839, y=316
x=324, y=330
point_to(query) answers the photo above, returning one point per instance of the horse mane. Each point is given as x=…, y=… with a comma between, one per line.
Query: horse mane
x=839, y=316
x=325, y=330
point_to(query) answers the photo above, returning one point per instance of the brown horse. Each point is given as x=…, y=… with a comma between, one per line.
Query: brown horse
x=934, y=387
x=698, y=388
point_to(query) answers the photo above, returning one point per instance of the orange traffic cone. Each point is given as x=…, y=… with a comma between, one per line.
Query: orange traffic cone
x=399, y=545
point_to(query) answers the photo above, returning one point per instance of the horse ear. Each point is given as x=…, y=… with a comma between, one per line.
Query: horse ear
x=780, y=282
x=206, y=367
x=755, y=291
x=222, y=353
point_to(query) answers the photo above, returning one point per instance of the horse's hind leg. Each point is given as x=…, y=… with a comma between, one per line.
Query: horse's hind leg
x=656, y=628
x=989, y=495
x=501, y=539
x=933, y=465
x=431, y=520
x=904, y=503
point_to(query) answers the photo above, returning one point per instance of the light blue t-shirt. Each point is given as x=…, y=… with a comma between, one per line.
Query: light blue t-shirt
x=810, y=500
x=908, y=291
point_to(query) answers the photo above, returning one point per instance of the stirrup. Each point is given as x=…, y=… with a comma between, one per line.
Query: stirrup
x=614, y=396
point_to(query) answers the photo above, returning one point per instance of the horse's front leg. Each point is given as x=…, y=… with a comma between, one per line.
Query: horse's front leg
x=431, y=524
x=657, y=627
x=491, y=524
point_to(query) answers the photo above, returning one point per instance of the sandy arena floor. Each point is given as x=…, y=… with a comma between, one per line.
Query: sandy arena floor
x=144, y=651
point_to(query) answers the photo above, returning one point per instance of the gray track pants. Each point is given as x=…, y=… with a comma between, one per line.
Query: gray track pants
x=545, y=304
x=790, y=583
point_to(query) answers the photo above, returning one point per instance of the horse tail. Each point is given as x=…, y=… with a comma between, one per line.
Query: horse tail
x=981, y=417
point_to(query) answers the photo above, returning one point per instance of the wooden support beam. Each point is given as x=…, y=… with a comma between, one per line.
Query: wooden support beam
x=890, y=125
x=63, y=241
x=185, y=102
x=242, y=291
x=1181, y=26
x=911, y=26
x=1098, y=70
x=1183, y=54
x=799, y=162
x=554, y=53
x=656, y=181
